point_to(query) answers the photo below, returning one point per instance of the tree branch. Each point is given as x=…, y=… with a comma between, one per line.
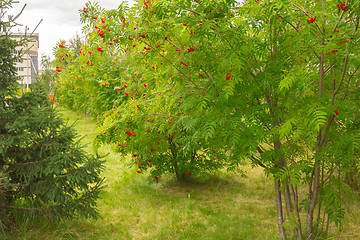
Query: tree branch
x=341, y=80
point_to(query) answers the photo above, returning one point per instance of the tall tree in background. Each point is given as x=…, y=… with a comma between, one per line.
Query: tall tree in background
x=46, y=79
x=43, y=170
x=76, y=45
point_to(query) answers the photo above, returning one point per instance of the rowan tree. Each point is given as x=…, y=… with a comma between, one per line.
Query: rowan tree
x=269, y=82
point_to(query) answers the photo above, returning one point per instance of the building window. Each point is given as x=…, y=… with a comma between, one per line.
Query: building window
x=20, y=69
x=17, y=52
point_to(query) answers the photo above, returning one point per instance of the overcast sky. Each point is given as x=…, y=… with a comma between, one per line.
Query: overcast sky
x=61, y=19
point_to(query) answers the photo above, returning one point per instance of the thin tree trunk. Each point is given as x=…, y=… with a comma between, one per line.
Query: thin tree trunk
x=322, y=183
x=3, y=220
x=279, y=210
x=293, y=188
x=313, y=200
x=173, y=150
x=290, y=207
x=313, y=195
x=178, y=175
x=296, y=208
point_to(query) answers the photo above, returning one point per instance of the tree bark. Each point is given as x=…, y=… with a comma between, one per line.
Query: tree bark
x=279, y=210
x=290, y=207
x=296, y=208
x=174, y=160
x=313, y=200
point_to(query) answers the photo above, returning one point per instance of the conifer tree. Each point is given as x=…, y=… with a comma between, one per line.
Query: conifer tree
x=43, y=169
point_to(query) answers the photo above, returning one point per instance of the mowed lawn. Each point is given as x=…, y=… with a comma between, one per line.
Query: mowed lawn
x=223, y=206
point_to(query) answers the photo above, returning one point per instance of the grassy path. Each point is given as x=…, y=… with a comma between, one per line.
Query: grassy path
x=221, y=207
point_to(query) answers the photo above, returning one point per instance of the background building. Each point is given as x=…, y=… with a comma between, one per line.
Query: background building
x=27, y=67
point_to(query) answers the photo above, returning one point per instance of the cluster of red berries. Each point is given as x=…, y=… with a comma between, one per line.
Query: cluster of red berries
x=130, y=133
x=142, y=164
x=146, y=4
x=190, y=49
x=142, y=35
x=342, y=6
x=101, y=33
x=311, y=20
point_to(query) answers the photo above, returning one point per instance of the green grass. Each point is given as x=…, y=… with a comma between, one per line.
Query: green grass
x=224, y=206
